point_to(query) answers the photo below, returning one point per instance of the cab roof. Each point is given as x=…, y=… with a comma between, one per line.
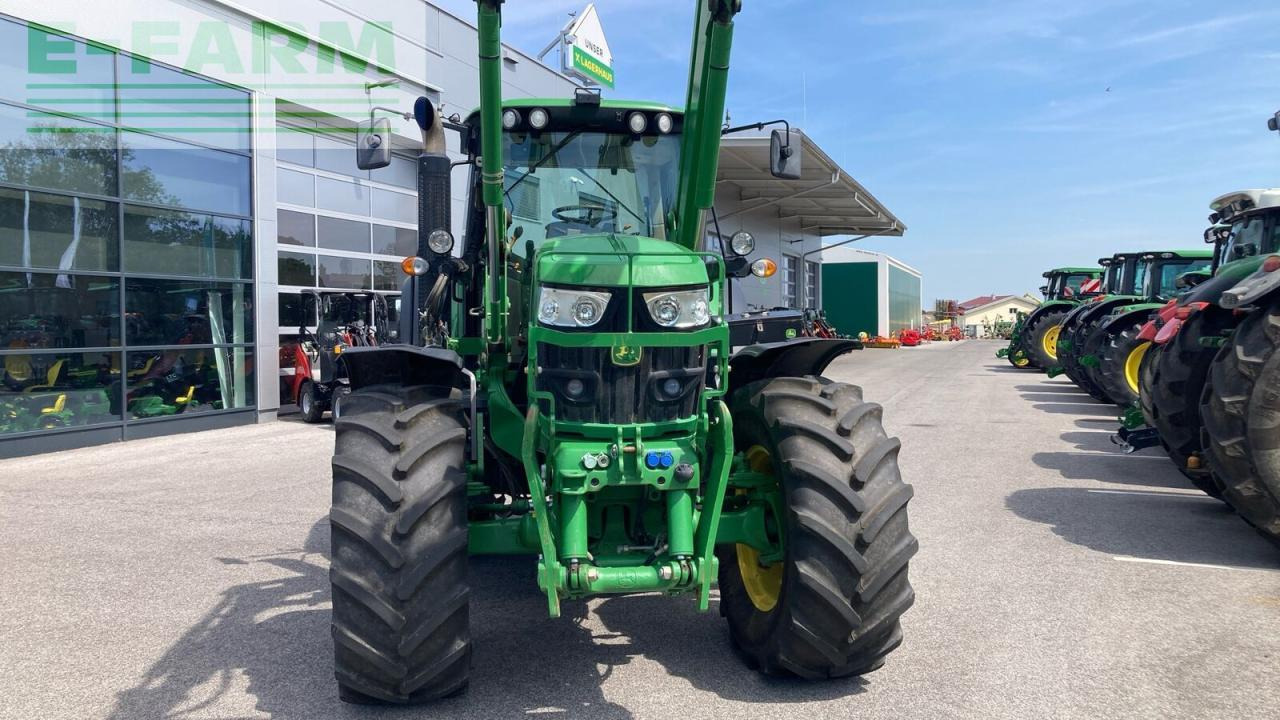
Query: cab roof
x=1073, y=271
x=1242, y=201
x=562, y=102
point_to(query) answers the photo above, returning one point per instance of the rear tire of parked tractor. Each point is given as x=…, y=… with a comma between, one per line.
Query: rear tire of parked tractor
x=835, y=606
x=1041, y=339
x=1119, y=362
x=1177, y=380
x=309, y=403
x=1241, y=412
x=399, y=546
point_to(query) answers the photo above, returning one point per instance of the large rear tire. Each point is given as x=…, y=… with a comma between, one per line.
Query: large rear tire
x=1093, y=339
x=1241, y=411
x=1177, y=381
x=1119, y=364
x=1041, y=339
x=833, y=608
x=399, y=565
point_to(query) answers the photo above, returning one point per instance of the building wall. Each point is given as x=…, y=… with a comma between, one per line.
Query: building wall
x=777, y=239
x=851, y=297
x=978, y=320
x=290, y=102
x=903, y=291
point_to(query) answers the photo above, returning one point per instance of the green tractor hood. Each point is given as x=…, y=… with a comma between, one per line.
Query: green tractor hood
x=613, y=260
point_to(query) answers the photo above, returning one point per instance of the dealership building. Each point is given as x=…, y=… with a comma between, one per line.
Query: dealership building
x=174, y=174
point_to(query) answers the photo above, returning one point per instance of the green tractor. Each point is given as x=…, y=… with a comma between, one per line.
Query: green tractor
x=1034, y=342
x=567, y=390
x=1108, y=350
x=1119, y=278
x=1239, y=405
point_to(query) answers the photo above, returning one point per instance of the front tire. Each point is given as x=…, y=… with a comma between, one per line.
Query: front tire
x=1041, y=339
x=310, y=405
x=399, y=545
x=1241, y=411
x=1177, y=381
x=1120, y=363
x=834, y=606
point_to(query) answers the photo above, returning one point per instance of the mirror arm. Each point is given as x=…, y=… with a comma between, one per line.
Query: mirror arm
x=726, y=130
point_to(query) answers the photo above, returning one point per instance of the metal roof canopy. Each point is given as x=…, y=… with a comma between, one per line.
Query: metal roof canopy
x=826, y=199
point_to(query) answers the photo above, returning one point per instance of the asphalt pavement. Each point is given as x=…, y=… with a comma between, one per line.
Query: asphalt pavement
x=186, y=577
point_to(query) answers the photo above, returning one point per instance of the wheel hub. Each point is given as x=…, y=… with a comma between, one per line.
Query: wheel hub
x=763, y=583
x=1133, y=365
x=1050, y=341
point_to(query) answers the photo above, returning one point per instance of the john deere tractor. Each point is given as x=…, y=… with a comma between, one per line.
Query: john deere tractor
x=1108, y=350
x=1119, y=278
x=1240, y=402
x=1034, y=343
x=567, y=390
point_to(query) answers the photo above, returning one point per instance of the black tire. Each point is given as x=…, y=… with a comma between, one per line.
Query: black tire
x=310, y=404
x=399, y=565
x=1094, y=337
x=1033, y=338
x=844, y=583
x=1177, y=381
x=1113, y=362
x=1241, y=412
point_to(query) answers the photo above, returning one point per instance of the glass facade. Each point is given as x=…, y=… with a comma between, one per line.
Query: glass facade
x=126, y=243
x=338, y=227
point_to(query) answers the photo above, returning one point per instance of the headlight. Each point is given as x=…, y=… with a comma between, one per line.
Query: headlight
x=571, y=308
x=684, y=309
x=742, y=243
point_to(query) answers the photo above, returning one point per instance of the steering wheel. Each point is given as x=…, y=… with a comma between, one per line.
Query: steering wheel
x=589, y=215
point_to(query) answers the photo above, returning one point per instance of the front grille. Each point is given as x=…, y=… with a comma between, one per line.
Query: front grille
x=620, y=394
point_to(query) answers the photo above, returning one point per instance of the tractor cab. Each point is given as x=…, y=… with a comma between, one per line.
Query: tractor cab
x=1072, y=284
x=1164, y=269
x=1253, y=219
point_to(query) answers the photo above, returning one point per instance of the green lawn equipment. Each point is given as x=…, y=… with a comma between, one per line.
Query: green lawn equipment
x=567, y=390
x=1034, y=343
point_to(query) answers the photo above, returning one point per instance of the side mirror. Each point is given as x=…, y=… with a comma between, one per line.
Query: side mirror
x=736, y=267
x=373, y=144
x=1044, y=289
x=784, y=154
x=1273, y=123
x=1191, y=279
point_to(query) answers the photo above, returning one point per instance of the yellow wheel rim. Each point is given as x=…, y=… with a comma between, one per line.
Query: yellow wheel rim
x=1021, y=360
x=1050, y=341
x=1133, y=366
x=763, y=584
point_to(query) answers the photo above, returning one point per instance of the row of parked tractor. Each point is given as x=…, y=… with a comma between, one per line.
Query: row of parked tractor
x=1185, y=343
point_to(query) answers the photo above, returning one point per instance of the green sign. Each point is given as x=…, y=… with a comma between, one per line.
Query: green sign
x=591, y=67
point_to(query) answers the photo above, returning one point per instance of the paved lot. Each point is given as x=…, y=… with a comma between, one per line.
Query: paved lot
x=186, y=577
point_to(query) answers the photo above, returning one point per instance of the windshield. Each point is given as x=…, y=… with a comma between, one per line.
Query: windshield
x=1245, y=239
x=1069, y=285
x=1164, y=282
x=573, y=183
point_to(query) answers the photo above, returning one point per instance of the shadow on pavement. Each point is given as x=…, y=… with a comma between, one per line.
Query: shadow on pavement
x=1152, y=524
x=1114, y=468
x=1094, y=409
x=1053, y=387
x=266, y=647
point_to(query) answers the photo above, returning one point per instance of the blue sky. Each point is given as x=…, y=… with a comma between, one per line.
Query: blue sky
x=1008, y=136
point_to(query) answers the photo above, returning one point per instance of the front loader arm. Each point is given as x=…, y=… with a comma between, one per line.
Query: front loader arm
x=703, y=115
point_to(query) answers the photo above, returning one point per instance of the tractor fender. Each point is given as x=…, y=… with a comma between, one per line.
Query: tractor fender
x=1252, y=288
x=1051, y=305
x=402, y=365
x=1133, y=313
x=791, y=358
x=1228, y=276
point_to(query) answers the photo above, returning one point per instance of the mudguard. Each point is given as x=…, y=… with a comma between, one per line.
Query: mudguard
x=1252, y=288
x=1046, y=307
x=793, y=358
x=1140, y=312
x=402, y=365
x=1228, y=276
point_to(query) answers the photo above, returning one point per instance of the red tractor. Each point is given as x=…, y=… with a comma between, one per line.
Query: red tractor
x=311, y=375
